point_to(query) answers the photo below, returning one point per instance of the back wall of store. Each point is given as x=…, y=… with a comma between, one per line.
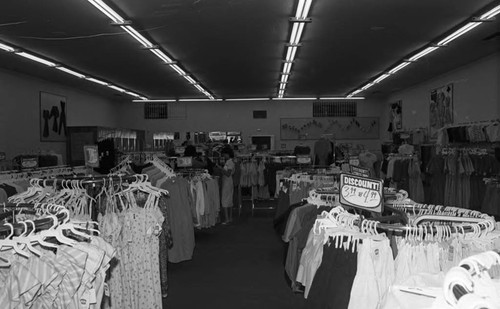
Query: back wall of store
x=20, y=115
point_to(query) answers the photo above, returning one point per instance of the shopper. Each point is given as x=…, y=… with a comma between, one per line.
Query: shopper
x=227, y=184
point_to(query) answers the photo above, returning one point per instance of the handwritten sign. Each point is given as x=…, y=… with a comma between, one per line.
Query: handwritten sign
x=360, y=171
x=361, y=192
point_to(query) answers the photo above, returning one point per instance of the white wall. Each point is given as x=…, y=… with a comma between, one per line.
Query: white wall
x=476, y=92
x=238, y=116
x=20, y=110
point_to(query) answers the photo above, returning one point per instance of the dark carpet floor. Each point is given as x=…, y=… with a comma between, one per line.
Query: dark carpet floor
x=239, y=265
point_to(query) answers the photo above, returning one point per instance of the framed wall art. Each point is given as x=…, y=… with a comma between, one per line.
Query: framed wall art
x=440, y=109
x=53, y=111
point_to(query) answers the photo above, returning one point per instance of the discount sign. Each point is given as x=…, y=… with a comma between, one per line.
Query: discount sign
x=361, y=192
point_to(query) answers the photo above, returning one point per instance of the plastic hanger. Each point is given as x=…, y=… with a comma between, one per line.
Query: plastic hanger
x=9, y=243
x=26, y=240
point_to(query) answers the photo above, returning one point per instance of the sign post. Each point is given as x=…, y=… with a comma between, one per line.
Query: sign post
x=361, y=192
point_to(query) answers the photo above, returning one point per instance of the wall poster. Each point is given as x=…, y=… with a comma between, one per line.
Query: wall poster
x=396, y=117
x=52, y=117
x=440, y=109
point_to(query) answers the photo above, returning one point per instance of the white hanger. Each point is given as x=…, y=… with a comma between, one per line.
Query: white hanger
x=9, y=243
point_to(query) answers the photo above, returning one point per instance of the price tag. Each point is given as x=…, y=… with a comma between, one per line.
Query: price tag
x=359, y=171
x=361, y=192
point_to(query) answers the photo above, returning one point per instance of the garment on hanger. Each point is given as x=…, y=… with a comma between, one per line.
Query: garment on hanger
x=322, y=149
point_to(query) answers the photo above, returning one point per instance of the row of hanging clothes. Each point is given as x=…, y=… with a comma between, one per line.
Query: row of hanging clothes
x=475, y=132
x=456, y=176
x=181, y=208
x=296, y=187
x=49, y=260
x=491, y=200
x=14, y=182
x=339, y=258
x=133, y=218
x=402, y=172
x=252, y=173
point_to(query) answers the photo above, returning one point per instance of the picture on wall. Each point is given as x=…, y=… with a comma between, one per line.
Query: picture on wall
x=396, y=117
x=52, y=117
x=441, y=109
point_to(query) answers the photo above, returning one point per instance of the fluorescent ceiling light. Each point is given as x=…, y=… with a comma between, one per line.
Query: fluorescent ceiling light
x=367, y=86
x=70, y=72
x=178, y=69
x=426, y=51
x=295, y=99
x=136, y=35
x=162, y=56
x=199, y=100
x=133, y=94
x=303, y=9
x=6, y=47
x=284, y=78
x=117, y=88
x=100, y=82
x=190, y=79
x=491, y=13
x=143, y=99
x=463, y=30
x=287, y=67
x=342, y=98
x=381, y=78
x=106, y=10
x=399, y=67
x=297, y=29
x=37, y=59
x=290, y=54
x=249, y=99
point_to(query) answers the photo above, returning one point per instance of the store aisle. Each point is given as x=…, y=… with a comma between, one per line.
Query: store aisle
x=234, y=266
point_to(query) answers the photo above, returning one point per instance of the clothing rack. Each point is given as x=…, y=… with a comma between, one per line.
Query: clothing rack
x=467, y=220
x=40, y=172
x=11, y=209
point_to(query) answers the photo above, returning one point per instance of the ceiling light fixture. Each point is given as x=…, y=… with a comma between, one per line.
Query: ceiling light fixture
x=433, y=47
x=62, y=68
x=154, y=101
x=419, y=55
x=106, y=10
x=199, y=100
x=100, y=82
x=298, y=25
x=136, y=35
x=36, y=58
x=342, y=98
x=381, y=78
x=249, y=99
x=74, y=73
x=116, y=88
x=491, y=13
x=294, y=99
x=6, y=48
x=118, y=20
x=399, y=67
x=455, y=35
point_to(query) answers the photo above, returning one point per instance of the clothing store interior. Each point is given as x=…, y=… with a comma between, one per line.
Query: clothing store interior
x=250, y=154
